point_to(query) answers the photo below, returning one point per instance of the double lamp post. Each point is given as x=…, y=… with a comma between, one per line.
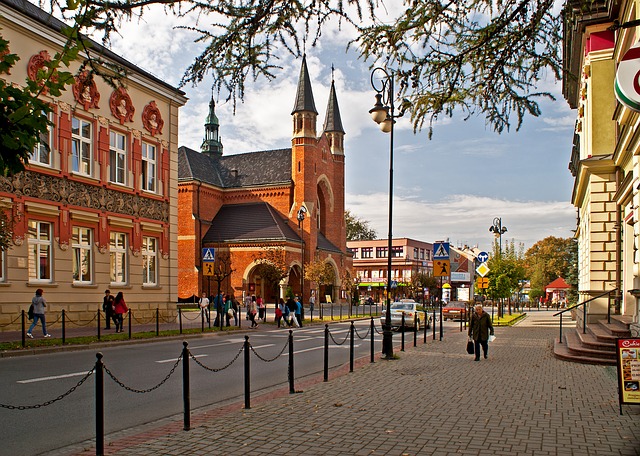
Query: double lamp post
x=383, y=113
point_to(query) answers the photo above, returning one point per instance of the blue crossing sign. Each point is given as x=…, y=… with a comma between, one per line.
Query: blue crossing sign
x=440, y=250
x=208, y=254
x=483, y=257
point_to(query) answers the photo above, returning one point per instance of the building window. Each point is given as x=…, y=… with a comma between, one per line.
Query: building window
x=422, y=254
x=397, y=252
x=117, y=158
x=149, y=261
x=81, y=245
x=148, y=167
x=428, y=254
x=40, y=259
x=381, y=252
x=3, y=261
x=118, y=258
x=41, y=153
x=81, y=139
x=366, y=252
x=415, y=253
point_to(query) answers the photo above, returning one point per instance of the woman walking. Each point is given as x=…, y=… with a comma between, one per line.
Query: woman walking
x=38, y=303
x=120, y=309
x=253, y=310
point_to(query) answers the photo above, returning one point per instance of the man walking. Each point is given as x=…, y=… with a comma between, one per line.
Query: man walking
x=107, y=308
x=479, y=329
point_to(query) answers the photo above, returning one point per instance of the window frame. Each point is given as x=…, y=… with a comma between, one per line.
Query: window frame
x=36, y=153
x=118, y=158
x=366, y=252
x=147, y=255
x=146, y=162
x=82, y=253
x=115, y=249
x=78, y=140
x=37, y=242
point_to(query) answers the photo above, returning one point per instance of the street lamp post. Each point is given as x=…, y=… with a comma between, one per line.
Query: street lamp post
x=301, y=213
x=383, y=113
x=498, y=230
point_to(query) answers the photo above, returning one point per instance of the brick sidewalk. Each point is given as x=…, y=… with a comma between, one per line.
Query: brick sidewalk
x=434, y=400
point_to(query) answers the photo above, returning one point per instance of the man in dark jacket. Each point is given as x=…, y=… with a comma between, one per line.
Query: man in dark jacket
x=479, y=329
x=107, y=308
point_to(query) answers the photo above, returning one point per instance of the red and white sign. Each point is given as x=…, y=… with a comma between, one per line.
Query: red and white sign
x=627, y=83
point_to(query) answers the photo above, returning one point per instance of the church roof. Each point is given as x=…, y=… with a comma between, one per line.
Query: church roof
x=268, y=167
x=326, y=244
x=304, y=96
x=333, y=121
x=249, y=222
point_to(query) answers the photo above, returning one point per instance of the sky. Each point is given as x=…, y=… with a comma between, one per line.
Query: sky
x=451, y=187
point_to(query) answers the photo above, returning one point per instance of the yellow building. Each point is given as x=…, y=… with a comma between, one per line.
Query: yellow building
x=604, y=159
x=97, y=208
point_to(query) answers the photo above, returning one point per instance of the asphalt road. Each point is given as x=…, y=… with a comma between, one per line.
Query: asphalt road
x=35, y=380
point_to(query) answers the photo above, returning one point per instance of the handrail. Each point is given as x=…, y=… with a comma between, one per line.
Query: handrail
x=584, y=313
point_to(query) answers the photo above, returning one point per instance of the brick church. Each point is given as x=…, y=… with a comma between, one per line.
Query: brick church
x=240, y=205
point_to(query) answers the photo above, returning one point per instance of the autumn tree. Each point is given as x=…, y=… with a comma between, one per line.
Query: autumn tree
x=358, y=229
x=320, y=272
x=506, y=272
x=272, y=266
x=548, y=259
x=222, y=269
x=350, y=285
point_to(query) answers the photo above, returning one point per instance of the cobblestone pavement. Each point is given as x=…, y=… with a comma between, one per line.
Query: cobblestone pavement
x=434, y=399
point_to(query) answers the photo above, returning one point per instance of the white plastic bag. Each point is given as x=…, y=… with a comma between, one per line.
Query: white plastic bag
x=492, y=337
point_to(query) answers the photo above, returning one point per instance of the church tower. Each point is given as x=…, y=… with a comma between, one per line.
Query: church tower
x=333, y=124
x=212, y=144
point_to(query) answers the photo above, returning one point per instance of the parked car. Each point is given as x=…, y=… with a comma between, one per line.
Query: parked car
x=413, y=318
x=454, y=310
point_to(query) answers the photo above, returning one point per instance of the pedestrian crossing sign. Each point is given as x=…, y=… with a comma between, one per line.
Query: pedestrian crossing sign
x=208, y=254
x=441, y=251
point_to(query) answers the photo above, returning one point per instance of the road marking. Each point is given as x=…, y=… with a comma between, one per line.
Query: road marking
x=53, y=377
x=318, y=348
x=173, y=360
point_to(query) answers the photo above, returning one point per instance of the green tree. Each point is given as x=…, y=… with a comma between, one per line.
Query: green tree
x=358, y=229
x=506, y=272
x=548, y=259
x=420, y=281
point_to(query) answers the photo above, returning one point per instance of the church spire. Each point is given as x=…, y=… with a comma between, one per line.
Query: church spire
x=212, y=144
x=333, y=123
x=304, y=97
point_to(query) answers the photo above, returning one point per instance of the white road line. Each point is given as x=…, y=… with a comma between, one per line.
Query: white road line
x=173, y=360
x=317, y=348
x=53, y=377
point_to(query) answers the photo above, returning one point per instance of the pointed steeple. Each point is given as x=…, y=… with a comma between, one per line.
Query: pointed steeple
x=333, y=122
x=212, y=144
x=304, y=97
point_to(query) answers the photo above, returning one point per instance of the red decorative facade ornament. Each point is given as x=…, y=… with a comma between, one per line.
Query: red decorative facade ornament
x=85, y=91
x=121, y=105
x=36, y=62
x=152, y=119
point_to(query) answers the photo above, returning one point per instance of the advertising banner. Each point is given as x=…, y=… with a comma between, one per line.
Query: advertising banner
x=628, y=360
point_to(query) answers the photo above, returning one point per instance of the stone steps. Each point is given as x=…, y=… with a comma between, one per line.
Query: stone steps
x=597, y=345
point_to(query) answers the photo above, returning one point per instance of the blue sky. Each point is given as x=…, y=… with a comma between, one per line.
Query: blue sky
x=450, y=187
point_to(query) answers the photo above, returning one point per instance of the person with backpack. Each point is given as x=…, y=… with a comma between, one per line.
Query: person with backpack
x=39, y=303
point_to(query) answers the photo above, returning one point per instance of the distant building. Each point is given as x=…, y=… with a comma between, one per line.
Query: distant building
x=96, y=207
x=239, y=205
x=408, y=258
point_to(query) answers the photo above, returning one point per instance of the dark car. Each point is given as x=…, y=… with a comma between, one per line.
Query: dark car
x=454, y=310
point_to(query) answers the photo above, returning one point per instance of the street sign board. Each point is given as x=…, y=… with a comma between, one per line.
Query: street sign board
x=483, y=257
x=441, y=251
x=207, y=268
x=483, y=269
x=441, y=268
x=482, y=282
x=208, y=254
x=394, y=284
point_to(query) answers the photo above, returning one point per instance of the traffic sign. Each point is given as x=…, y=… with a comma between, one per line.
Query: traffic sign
x=441, y=251
x=441, y=268
x=208, y=254
x=394, y=284
x=482, y=282
x=483, y=257
x=483, y=269
x=207, y=269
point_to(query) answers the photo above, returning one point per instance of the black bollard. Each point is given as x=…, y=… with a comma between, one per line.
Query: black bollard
x=99, y=372
x=291, y=376
x=98, y=320
x=415, y=330
x=186, y=393
x=326, y=352
x=402, y=323
x=435, y=324
x=63, y=327
x=426, y=316
x=180, y=319
x=129, y=316
x=373, y=345
x=247, y=374
x=351, y=347
x=157, y=321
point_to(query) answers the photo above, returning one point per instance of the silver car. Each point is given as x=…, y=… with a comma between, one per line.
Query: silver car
x=413, y=318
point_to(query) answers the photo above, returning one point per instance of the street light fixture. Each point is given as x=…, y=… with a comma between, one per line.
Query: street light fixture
x=498, y=230
x=383, y=113
x=301, y=213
